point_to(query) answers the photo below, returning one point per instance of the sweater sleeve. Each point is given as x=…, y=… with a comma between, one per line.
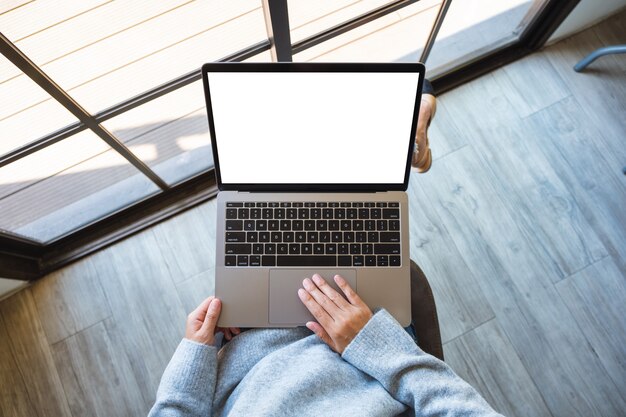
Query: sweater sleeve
x=383, y=350
x=188, y=383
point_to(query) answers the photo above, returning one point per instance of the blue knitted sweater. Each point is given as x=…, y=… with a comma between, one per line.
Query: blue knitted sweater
x=291, y=372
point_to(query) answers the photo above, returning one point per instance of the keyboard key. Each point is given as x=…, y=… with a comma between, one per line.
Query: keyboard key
x=234, y=204
x=381, y=225
x=255, y=260
x=357, y=225
x=263, y=204
x=394, y=204
x=268, y=260
x=345, y=204
x=394, y=261
x=351, y=213
x=230, y=260
x=367, y=249
x=391, y=213
x=311, y=237
x=355, y=249
x=248, y=225
x=282, y=249
x=357, y=204
x=257, y=249
x=348, y=236
x=252, y=237
x=298, y=204
x=340, y=213
x=270, y=249
x=372, y=237
x=386, y=249
x=360, y=237
x=343, y=249
x=375, y=213
x=344, y=260
x=321, y=225
x=261, y=225
x=364, y=213
x=321, y=205
x=276, y=237
x=370, y=261
x=273, y=204
x=264, y=237
x=345, y=224
x=297, y=225
x=337, y=237
x=358, y=261
x=279, y=213
x=318, y=248
x=381, y=204
x=294, y=249
x=303, y=213
x=394, y=224
x=285, y=225
x=306, y=249
x=369, y=204
x=300, y=236
x=382, y=260
x=234, y=224
x=316, y=213
x=327, y=213
x=324, y=237
x=333, y=204
x=288, y=237
x=243, y=213
x=255, y=213
x=267, y=213
x=309, y=204
x=309, y=225
x=238, y=248
x=292, y=213
x=273, y=225
x=231, y=213
x=390, y=236
x=333, y=225
x=285, y=204
x=235, y=237
x=303, y=260
x=331, y=249
x=242, y=260
x=370, y=225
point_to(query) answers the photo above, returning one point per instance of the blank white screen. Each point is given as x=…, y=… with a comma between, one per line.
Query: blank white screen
x=312, y=128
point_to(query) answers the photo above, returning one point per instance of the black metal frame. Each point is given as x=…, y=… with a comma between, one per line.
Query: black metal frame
x=26, y=259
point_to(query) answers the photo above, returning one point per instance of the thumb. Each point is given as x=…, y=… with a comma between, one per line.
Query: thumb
x=320, y=332
x=212, y=314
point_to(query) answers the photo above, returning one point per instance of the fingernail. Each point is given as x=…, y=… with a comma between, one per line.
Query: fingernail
x=307, y=284
x=236, y=331
x=302, y=293
x=317, y=279
x=338, y=279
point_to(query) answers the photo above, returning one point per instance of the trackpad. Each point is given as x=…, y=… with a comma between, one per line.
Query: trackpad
x=285, y=305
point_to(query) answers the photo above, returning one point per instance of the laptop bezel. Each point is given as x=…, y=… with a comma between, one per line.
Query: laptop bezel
x=312, y=67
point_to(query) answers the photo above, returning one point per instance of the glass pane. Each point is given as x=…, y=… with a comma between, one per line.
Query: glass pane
x=396, y=37
x=67, y=185
x=119, y=49
x=30, y=113
x=307, y=18
x=475, y=27
x=171, y=133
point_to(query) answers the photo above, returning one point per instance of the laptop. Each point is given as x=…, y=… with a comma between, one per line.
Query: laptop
x=312, y=162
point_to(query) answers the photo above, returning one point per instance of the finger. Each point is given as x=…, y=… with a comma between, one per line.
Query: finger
x=320, y=332
x=234, y=330
x=348, y=291
x=330, y=292
x=318, y=312
x=201, y=310
x=212, y=314
x=227, y=334
x=321, y=298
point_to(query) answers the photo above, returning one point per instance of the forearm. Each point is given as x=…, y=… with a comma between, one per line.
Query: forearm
x=387, y=353
x=188, y=383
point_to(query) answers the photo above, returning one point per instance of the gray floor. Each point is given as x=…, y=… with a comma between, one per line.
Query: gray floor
x=520, y=227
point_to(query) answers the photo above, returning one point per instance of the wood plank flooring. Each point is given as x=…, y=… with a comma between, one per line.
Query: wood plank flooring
x=520, y=227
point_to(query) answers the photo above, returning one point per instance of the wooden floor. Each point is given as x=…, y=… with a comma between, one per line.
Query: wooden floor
x=520, y=227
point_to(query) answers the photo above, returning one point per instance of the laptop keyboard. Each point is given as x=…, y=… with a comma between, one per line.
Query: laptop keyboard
x=310, y=234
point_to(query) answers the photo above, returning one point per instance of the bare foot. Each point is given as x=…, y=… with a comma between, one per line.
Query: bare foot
x=422, y=156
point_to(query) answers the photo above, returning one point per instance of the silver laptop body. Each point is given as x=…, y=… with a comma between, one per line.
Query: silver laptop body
x=312, y=163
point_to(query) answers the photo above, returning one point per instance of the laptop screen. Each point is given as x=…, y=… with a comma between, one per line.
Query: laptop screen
x=312, y=127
